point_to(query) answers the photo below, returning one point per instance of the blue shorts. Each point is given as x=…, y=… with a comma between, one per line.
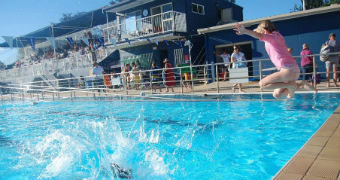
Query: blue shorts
x=307, y=69
x=332, y=61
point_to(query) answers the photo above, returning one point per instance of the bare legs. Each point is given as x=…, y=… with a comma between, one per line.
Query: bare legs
x=239, y=85
x=335, y=76
x=155, y=87
x=167, y=88
x=284, y=79
x=305, y=85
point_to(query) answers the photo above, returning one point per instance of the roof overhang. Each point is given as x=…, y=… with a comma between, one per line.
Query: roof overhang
x=160, y=38
x=124, y=5
x=322, y=10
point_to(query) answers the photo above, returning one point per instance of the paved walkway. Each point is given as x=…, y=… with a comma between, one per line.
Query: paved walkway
x=199, y=88
x=319, y=158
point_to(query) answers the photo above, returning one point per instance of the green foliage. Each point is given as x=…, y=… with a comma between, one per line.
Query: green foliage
x=311, y=4
x=65, y=17
x=68, y=16
x=112, y=2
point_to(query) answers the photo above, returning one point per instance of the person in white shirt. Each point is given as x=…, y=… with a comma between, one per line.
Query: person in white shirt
x=238, y=58
x=226, y=59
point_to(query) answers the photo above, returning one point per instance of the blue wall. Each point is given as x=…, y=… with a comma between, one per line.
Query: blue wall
x=154, y=49
x=194, y=22
x=313, y=30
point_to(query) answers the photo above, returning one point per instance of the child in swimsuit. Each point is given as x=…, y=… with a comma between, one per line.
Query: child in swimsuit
x=284, y=81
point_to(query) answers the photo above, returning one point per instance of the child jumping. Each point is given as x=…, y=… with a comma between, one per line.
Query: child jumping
x=284, y=81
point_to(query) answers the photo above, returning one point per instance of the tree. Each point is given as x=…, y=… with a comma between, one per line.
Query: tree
x=69, y=16
x=112, y=2
x=65, y=17
x=311, y=4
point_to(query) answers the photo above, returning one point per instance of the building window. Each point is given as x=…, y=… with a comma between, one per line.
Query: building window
x=198, y=9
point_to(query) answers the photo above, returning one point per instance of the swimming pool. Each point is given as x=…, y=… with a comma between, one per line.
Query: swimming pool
x=224, y=137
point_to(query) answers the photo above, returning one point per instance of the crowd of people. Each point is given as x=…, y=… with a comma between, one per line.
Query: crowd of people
x=284, y=82
x=132, y=77
x=67, y=50
x=274, y=44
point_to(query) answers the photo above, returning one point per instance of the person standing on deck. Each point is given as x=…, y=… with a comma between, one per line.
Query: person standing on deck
x=169, y=75
x=333, y=60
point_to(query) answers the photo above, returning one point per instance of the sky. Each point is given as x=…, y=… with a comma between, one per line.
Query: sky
x=20, y=17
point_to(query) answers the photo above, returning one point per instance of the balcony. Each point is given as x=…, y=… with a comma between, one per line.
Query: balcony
x=135, y=28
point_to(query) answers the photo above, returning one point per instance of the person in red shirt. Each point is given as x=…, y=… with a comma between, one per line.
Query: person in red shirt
x=307, y=67
x=169, y=76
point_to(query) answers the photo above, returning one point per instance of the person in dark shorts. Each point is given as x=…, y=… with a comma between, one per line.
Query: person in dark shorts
x=307, y=67
x=333, y=60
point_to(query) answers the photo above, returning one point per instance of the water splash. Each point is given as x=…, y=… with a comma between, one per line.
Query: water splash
x=65, y=151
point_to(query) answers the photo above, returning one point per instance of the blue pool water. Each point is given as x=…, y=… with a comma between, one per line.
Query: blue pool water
x=229, y=137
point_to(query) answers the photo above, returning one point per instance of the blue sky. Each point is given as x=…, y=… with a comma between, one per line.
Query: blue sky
x=19, y=17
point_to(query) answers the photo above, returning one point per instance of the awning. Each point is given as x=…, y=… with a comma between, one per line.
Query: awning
x=78, y=23
x=122, y=6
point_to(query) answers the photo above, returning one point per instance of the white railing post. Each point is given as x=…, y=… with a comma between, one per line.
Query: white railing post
x=181, y=79
x=192, y=78
x=314, y=72
x=260, y=69
x=217, y=80
x=150, y=76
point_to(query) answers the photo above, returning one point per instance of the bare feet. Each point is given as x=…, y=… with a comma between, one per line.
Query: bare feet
x=309, y=87
x=291, y=90
x=233, y=88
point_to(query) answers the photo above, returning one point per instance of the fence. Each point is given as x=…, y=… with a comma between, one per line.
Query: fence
x=171, y=21
x=184, y=79
x=74, y=61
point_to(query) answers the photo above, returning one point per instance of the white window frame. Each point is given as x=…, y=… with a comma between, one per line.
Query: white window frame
x=197, y=9
x=161, y=6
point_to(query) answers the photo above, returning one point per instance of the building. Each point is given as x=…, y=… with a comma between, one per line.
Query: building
x=311, y=26
x=151, y=30
x=144, y=30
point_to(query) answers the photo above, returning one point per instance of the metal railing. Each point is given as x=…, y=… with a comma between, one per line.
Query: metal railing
x=186, y=79
x=171, y=21
x=75, y=61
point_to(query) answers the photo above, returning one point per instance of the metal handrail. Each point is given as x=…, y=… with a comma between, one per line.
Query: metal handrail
x=70, y=84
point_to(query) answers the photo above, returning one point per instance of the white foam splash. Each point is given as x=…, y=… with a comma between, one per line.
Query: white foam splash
x=61, y=150
x=154, y=137
x=156, y=161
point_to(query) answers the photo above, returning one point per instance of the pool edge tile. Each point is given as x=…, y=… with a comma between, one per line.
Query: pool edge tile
x=312, y=156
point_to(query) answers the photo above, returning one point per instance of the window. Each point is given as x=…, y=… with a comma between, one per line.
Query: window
x=162, y=18
x=130, y=22
x=198, y=9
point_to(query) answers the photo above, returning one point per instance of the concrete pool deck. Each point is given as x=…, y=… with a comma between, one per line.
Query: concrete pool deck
x=319, y=158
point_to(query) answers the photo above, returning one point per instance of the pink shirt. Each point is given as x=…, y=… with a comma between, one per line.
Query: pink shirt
x=277, y=50
x=305, y=59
